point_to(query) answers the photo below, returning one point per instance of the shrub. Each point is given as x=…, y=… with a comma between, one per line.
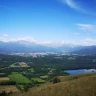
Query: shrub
x=55, y=80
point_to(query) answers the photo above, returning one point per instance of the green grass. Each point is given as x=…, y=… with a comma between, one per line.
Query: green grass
x=31, y=70
x=38, y=79
x=19, y=78
x=24, y=72
x=77, y=76
x=4, y=68
x=44, y=77
x=73, y=85
x=2, y=73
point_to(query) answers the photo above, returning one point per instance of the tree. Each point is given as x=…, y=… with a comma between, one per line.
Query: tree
x=55, y=80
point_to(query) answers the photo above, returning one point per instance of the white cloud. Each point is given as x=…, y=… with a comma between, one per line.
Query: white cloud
x=75, y=5
x=5, y=35
x=71, y=4
x=87, y=27
x=85, y=42
x=88, y=41
x=32, y=40
x=27, y=38
x=64, y=42
x=4, y=39
x=44, y=42
x=80, y=6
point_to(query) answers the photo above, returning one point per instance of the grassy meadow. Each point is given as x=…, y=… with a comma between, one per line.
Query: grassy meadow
x=44, y=77
x=38, y=80
x=19, y=78
x=73, y=85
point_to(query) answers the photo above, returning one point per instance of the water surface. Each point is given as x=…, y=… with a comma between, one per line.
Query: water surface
x=78, y=71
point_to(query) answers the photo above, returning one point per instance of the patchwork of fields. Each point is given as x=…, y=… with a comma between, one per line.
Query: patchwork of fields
x=4, y=78
x=38, y=80
x=26, y=73
x=19, y=78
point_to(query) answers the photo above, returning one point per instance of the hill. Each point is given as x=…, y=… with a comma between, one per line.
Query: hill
x=24, y=47
x=27, y=47
x=19, y=64
x=87, y=50
x=73, y=85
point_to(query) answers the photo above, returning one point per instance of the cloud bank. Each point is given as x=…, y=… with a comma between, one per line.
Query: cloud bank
x=5, y=35
x=84, y=42
x=87, y=27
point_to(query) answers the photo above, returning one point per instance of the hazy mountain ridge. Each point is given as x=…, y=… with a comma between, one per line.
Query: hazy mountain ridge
x=87, y=50
x=27, y=47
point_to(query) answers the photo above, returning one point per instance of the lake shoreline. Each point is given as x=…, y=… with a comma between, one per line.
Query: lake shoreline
x=79, y=71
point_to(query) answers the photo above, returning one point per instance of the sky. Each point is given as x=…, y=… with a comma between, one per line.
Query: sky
x=48, y=21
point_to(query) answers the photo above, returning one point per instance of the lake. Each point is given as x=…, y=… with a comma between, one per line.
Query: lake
x=78, y=71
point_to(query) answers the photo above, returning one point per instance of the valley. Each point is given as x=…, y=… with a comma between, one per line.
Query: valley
x=47, y=47
x=27, y=72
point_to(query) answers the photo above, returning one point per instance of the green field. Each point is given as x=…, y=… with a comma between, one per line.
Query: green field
x=44, y=77
x=31, y=70
x=19, y=78
x=4, y=78
x=2, y=73
x=38, y=80
x=4, y=68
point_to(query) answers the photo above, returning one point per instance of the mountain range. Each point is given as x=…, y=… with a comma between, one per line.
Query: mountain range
x=28, y=47
x=90, y=50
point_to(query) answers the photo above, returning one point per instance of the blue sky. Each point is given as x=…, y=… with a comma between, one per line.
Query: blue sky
x=48, y=21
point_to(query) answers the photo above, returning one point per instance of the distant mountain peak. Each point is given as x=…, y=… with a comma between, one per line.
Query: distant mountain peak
x=26, y=46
